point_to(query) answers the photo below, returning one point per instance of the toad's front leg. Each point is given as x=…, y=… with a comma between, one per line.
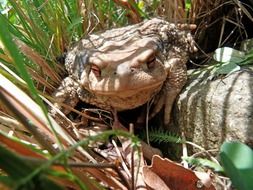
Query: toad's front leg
x=176, y=79
x=66, y=94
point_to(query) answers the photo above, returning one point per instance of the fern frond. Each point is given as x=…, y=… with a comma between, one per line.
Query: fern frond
x=162, y=136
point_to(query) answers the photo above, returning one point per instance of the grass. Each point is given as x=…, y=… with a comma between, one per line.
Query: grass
x=32, y=37
x=35, y=34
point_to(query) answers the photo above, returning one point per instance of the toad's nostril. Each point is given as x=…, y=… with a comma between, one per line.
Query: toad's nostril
x=132, y=69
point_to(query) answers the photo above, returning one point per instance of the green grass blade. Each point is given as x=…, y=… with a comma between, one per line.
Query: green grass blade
x=7, y=40
x=13, y=165
x=18, y=169
x=18, y=59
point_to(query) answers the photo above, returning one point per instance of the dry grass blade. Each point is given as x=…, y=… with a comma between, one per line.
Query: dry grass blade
x=174, y=10
x=12, y=127
x=23, y=107
x=33, y=157
x=133, y=13
x=8, y=121
x=32, y=117
x=18, y=147
x=12, y=74
x=105, y=177
x=38, y=59
x=41, y=80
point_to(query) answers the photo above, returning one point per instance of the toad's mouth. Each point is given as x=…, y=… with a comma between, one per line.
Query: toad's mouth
x=127, y=91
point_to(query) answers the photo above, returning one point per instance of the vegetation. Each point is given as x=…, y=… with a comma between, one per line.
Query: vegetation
x=39, y=152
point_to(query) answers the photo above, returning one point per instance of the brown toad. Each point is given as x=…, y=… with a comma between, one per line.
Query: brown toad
x=126, y=67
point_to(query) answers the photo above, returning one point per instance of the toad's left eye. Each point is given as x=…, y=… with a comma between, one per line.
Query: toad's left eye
x=96, y=70
x=151, y=62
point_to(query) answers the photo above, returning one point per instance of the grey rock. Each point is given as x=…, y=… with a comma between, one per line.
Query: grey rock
x=211, y=111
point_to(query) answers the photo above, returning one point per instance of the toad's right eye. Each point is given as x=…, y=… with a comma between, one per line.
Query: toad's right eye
x=95, y=70
x=151, y=62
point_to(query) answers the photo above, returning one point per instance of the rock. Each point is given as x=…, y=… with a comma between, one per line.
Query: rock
x=210, y=112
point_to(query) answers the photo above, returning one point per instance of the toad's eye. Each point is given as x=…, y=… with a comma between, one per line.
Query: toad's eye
x=95, y=70
x=151, y=62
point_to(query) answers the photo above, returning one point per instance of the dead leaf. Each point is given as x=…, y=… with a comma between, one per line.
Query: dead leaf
x=153, y=180
x=175, y=176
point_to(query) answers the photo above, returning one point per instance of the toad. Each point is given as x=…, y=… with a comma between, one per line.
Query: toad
x=126, y=67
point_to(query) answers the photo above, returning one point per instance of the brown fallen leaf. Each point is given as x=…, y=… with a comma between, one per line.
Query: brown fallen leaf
x=153, y=180
x=175, y=176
